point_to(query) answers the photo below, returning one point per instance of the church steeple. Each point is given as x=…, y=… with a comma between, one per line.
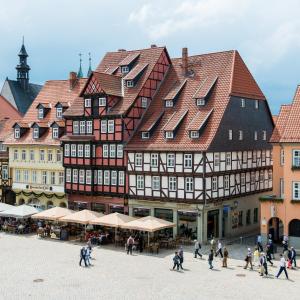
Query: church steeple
x=90, y=66
x=23, y=68
x=80, y=74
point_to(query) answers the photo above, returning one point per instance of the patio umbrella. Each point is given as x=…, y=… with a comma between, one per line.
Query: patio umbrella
x=53, y=214
x=4, y=206
x=22, y=211
x=81, y=217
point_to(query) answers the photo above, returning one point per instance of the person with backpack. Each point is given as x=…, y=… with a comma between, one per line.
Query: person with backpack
x=197, y=249
x=83, y=256
x=263, y=264
x=176, y=261
x=210, y=259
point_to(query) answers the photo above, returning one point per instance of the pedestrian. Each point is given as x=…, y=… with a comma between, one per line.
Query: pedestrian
x=256, y=257
x=180, y=254
x=225, y=258
x=219, y=251
x=88, y=256
x=248, y=259
x=82, y=256
x=213, y=245
x=197, y=249
x=130, y=243
x=282, y=267
x=269, y=255
x=210, y=259
x=176, y=260
x=285, y=245
x=271, y=245
x=259, y=243
x=263, y=264
x=89, y=244
x=141, y=243
x=293, y=256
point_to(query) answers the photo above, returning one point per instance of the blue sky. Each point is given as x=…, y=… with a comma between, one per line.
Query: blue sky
x=266, y=33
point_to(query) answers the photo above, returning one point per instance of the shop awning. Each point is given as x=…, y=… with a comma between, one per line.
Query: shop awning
x=53, y=213
x=22, y=211
x=4, y=206
x=112, y=220
x=149, y=224
x=81, y=217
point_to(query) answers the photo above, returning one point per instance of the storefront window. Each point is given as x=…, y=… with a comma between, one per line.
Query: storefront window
x=77, y=205
x=187, y=224
x=99, y=207
x=141, y=212
x=117, y=208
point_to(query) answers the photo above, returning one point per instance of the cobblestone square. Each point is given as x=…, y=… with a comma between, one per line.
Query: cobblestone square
x=32, y=268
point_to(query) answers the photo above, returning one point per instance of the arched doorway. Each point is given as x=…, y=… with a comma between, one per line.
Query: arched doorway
x=294, y=228
x=275, y=226
x=62, y=204
x=50, y=204
x=21, y=201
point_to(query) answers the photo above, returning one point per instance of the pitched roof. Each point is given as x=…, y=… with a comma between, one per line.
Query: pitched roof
x=5, y=128
x=200, y=119
x=233, y=79
x=7, y=110
x=175, y=120
x=129, y=59
x=175, y=90
x=205, y=87
x=139, y=68
x=288, y=123
x=151, y=122
x=52, y=92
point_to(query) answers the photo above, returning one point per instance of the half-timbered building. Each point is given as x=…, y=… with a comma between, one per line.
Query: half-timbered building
x=99, y=123
x=200, y=157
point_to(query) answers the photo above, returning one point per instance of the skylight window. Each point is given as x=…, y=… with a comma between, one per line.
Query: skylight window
x=200, y=102
x=194, y=134
x=124, y=69
x=169, y=103
x=129, y=83
x=169, y=134
x=145, y=135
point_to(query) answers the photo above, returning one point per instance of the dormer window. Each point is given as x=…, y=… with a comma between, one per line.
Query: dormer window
x=41, y=113
x=59, y=111
x=145, y=135
x=124, y=69
x=17, y=133
x=144, y=102
x=102, y=101
x=55, y=132
x=194, y=134
x=35, y=132
x=87, y=102
x=129, y=83
x=200, y=102
x=169, y=103
x=169, y=134
x=243, y=103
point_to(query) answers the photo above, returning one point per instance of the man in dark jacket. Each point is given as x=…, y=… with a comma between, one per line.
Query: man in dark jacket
x=83, y=256
x=176, y=261
x=269, y=255
x=211, y=258
x=293, y=256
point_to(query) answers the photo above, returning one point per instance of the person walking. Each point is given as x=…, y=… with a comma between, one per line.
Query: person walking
x=293, y=256
x=180, y=254
x=210, y=259
x=219, y=251
x=197, y=249
x=82, y=256
x=176, y=260
x=224, y=265
x=130, y=243
x=263, y=264
x=256, y=257
x=282, y=267
x=88, y=255
x=259, y=243
x=248, y=259
x=271, y=246
x=269, y=255
x=213, y=245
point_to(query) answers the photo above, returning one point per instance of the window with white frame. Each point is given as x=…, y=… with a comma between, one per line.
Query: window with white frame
x=169, y=134
x=169, y=103
x=41, y=113
x=264, y=135
x=226, y=182
x=75, y=176
x=138, y=159
x=129, y=83
x=61, y=178
x=82, y=127
x=35, y=132
x=261, y=176
x=120, y=151
x=105, y=150
x=2, y=147
x=243, y=103
x=34, y=176
x=255, y=135
x=243, y=179
x=87, y=102
x=88, y=177
x=102, y=101
x=89, y=127
x=112, y=150
x=140, y=182
x=144, y=102
x=252, y=177
x=240, y=135
x=189, y=184
x=100, y=177
x=73, y=150
x=103, y=126
x=18, y=176
x=296, y=190
x=155, y=183
x=214, y=184
x=145, y=134
x=52, y=178
x=296, y=158
x=67, y=149
x=17, y=133
x=281, y=157
x=44, y=177
x=111, y=126
x=170, y=160
x=81, y=176
x=26, y=176
x=16, y=154
x=42, y=155
x=58, y=156
x=121, y=178
x=68, y=175
x=23, y=154
x=59, y=112
x=172, y=184
x=217, y=159
x=256, y=103
x=263, y=156
x=194, y=134
x=4, y=172
x=87, y=151
x=54, y=132
x=154, y=160
x=124, y=69
x=228, y=159
x=229, y=134
x=75, y=127
x=114, y=176
x=106, y=177
x=200, y=102
x=50, y=155
x=188, y=161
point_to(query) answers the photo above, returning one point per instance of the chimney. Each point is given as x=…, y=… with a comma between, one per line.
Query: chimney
x=153, y=46
x=72, y=79
x=184, y=61
x=121, y=50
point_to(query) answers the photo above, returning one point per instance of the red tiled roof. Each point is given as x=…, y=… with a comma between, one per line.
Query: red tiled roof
x=78, y=138
x=129, y=59
x=205, y=87
x=233, y=79
x=59, y=123
x=5, y=128
x=8, y=111
x=44, y=104
x=280, y=123
x=63, y=104
x=135, y=71
x=112, y=70
x=110, y=84
x=199, y=120
x=289, y=122
x=175, y=120
x=151, y=122
x=52, y=92
x=175, y=90
x=22, y=124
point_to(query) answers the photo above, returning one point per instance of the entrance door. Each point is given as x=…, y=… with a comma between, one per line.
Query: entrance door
x=213, y=224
